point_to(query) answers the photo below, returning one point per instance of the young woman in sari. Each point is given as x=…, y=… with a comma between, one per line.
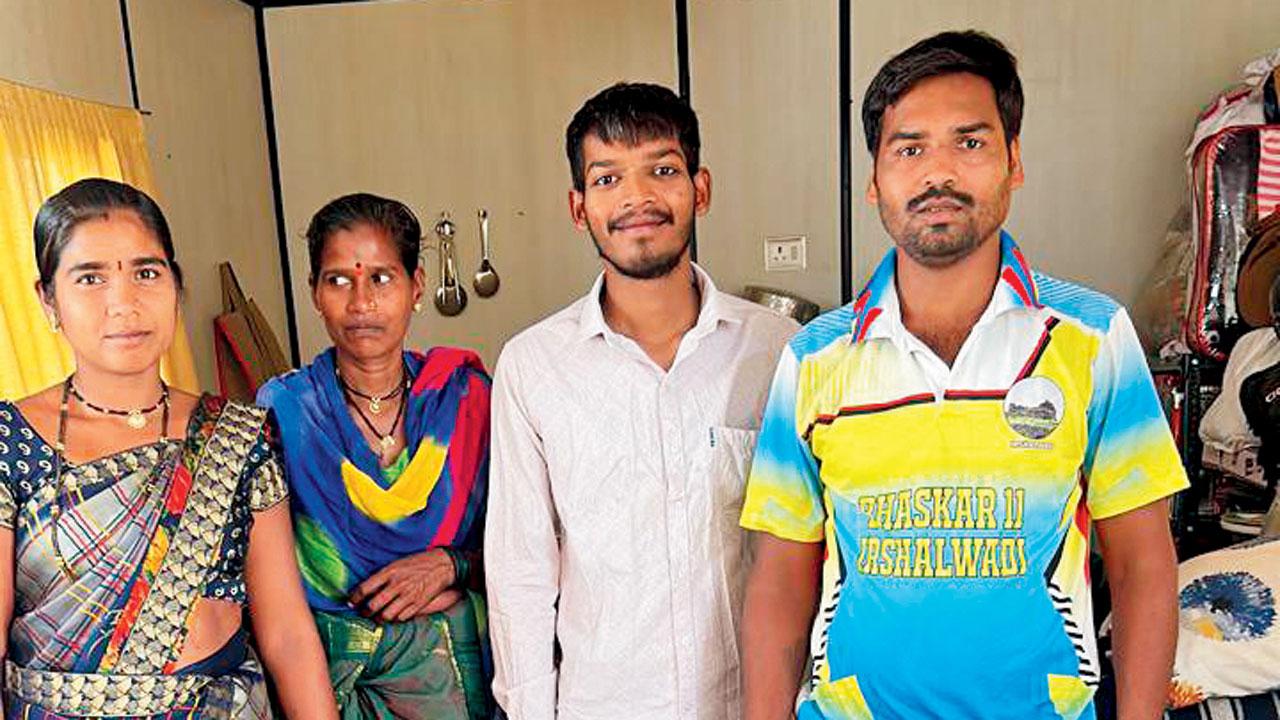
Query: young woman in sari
x=136, y=520
x=386, y=455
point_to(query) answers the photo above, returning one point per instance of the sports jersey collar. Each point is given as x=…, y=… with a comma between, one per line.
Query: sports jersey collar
x=591, y=321
x=877, y=314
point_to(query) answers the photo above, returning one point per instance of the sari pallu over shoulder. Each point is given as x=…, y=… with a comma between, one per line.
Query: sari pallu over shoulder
x=106, y=644
x=353, y=517
x=350, y=519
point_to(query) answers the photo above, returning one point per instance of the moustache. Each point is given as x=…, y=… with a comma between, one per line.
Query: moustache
x=935, y=193
x=640, y=216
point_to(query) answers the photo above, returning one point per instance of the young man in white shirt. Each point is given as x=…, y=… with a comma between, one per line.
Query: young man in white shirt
x=622, y=428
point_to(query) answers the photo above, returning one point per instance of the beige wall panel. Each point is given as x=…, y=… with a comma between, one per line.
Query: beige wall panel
x=449, y=104
x=764, y=80
x=1112, y=92
x=197, y=65
x=74, y=47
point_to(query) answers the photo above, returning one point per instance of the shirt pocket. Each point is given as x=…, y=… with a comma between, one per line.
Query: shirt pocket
x=730, y=464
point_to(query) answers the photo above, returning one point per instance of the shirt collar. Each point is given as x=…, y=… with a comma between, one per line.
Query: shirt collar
x=877, y=313
x=713, y=311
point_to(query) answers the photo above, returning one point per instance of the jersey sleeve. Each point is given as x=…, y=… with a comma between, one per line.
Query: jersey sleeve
x=1131, y=458
x=784, y=491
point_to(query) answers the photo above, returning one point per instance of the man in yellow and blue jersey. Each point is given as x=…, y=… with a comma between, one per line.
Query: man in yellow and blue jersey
x=936, y=456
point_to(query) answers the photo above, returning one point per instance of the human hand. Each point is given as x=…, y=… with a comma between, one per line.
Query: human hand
x=407, y=588
x=443, y=601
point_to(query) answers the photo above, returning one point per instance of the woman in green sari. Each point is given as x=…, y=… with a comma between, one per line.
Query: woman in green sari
x=136, y=521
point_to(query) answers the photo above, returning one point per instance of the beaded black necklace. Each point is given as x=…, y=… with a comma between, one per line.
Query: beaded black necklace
x=136, y=418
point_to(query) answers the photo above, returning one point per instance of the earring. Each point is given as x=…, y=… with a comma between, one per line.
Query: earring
x=54, y=324
x=417, y=307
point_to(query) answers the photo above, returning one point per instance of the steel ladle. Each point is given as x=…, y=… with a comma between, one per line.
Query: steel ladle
x=486, y=281
x=450, y=298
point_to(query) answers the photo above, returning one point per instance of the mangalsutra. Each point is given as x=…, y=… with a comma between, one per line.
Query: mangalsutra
x=388, y=440
x=375, y=401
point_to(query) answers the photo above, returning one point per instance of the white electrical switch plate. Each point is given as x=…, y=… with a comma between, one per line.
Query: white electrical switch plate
x=784, y=253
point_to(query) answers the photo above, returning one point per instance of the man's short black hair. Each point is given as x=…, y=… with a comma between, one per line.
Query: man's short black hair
x=946, y=53
x=632, y=113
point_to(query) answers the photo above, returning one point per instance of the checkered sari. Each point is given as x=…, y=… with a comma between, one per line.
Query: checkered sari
x=115, y=523
x=104, y=533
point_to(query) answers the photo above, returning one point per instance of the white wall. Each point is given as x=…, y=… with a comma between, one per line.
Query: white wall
x=457, y=104
x=1112, y=91
x=75, y=47
x=197, y=66
x=764, y=81
x=452, y=104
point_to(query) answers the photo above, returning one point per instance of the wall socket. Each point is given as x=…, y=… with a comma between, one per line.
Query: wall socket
x=785, y=253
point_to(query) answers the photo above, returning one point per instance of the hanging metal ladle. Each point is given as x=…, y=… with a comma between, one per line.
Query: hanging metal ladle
x=450, y=298
x=486, y=281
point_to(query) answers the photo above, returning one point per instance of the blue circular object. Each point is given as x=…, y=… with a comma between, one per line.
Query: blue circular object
x=1240, y=605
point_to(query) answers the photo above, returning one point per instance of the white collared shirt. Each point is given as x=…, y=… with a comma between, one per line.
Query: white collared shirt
x=614, y=496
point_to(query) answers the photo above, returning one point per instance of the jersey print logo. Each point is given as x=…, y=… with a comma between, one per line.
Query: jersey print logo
x=1033, y=407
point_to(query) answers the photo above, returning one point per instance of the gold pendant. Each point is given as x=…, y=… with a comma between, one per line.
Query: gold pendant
x=375, y=405
x=136, y=420
x=387, y=443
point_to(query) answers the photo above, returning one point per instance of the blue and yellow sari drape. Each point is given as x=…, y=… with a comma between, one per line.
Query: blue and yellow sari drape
x=353, y=517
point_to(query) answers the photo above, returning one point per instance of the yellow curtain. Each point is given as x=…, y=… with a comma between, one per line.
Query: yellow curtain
x=48, y=141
